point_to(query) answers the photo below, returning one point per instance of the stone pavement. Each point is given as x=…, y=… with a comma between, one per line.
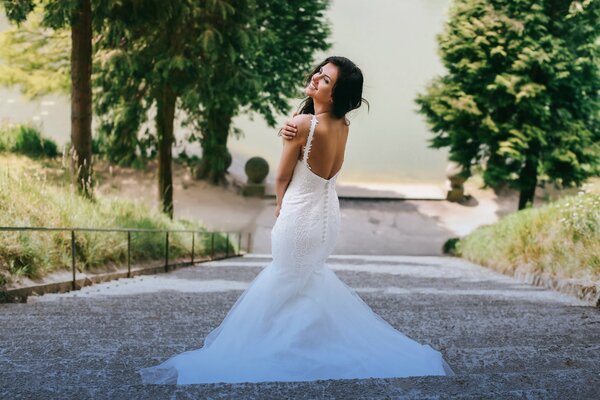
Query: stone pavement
x=504, y=339
x=379, y=227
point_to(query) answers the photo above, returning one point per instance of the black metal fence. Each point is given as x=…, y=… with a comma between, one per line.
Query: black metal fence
x=194, y=233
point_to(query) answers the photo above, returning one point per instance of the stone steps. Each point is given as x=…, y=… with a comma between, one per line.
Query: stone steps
x=547, y=384
x=504, y=339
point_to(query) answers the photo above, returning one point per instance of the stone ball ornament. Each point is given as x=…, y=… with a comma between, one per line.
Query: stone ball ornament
x=257, y=169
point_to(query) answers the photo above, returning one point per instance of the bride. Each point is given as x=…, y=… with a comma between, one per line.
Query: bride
x=298, y=321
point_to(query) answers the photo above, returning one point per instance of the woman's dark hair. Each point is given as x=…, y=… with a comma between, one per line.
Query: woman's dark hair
x=347, y=92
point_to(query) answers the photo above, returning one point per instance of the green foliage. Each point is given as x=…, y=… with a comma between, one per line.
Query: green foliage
x=258, y=71
x=7, y=138
x=218, y=243
x=218, y=58
x=124, y=150
x=27, y=140
x=17, y=10
x=561, y=239
x=34, y=58
x=57, y=13
x=520, y=96
x=29, y=198
x=36, y=53
x=210, y=60
x=78, y=17
x=449, y=246
x=267, y=58
x=189, y=160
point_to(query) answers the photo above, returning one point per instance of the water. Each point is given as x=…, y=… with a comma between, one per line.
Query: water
x=393, y=41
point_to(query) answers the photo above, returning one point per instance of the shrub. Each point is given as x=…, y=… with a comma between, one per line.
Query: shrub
x=26, y=140
x=449, y=246
x=561, y=239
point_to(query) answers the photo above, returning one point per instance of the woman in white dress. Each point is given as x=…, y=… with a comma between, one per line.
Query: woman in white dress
x=297, y=321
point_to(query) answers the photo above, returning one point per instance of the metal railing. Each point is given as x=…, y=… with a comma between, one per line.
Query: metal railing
x=128, y=231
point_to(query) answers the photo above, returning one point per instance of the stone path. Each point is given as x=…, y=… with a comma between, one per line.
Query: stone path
x=504, y=339
x=412, y=227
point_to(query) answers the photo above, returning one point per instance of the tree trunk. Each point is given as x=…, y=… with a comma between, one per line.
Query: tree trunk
x=165, y=117
x=528, y=182
x=81, y=98
x=216, y=159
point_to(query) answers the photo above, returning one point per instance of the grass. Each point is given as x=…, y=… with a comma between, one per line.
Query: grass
x=33, y=193
x=561, y=239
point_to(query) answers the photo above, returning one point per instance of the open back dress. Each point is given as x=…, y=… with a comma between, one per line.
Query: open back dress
x=297, y=321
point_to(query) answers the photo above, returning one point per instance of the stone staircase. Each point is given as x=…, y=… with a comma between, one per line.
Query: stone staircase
x=503, y=339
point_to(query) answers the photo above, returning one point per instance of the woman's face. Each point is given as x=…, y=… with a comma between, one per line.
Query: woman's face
x=320, y=86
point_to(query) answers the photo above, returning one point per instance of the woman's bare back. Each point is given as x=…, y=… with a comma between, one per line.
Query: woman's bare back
x=328, y=146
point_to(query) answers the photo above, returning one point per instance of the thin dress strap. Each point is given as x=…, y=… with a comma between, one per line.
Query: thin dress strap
x=307, y=147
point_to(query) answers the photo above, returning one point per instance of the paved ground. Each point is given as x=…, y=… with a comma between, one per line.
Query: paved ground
x=503, y=339
x=409, y=227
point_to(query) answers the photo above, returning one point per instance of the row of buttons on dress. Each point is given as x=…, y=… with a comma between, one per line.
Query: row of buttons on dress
x=325, y=210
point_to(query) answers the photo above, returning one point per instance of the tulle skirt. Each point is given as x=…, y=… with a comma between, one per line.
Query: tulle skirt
x=298, y=326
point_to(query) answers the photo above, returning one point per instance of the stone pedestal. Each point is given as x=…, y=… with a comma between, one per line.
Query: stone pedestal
x=456, y=192
x=257, y=170
x=253, y=190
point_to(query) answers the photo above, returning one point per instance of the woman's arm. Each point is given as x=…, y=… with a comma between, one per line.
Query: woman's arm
x=289, y=158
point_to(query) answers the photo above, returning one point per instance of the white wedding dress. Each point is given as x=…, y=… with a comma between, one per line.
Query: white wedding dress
x=298, y=321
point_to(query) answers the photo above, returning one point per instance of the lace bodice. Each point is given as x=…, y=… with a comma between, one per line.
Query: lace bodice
x=308, y=224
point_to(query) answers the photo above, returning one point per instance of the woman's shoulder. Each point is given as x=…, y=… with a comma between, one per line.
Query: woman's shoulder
x=302, y=122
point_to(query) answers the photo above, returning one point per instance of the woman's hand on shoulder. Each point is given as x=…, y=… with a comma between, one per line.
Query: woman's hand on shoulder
x=290, y=129
x=301, y=122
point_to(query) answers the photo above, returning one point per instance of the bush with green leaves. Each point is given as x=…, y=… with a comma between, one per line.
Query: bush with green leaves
x=26, y=140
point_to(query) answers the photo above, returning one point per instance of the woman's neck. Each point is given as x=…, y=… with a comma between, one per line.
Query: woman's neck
x=322, y=108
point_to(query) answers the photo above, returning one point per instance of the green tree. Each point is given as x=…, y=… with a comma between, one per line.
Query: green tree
x=208, y=60
x=520, y=96
x=258, y=71
x=76, y=15
x=37, y=60
x=150, y=55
